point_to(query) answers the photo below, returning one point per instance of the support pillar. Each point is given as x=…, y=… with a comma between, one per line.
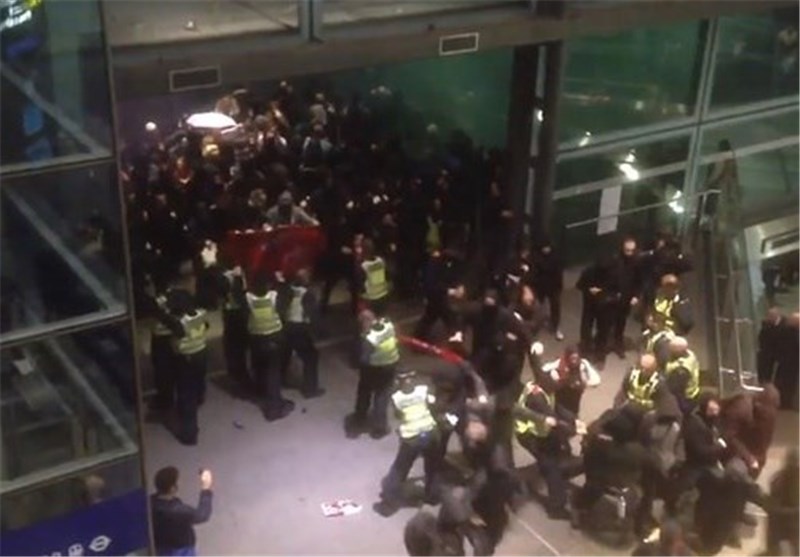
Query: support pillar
x=521, y=108
x=545, y=162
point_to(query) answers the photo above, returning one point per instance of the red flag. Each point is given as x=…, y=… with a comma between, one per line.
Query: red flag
x=285, y=249
x=426, y=348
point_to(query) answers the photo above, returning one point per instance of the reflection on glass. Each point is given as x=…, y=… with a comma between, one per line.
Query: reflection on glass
x=635, y=78
x=29, y=506
x=753, y=163
x=138, y=22
x=347, y=11
x=65, y=402
x=628, y=164
x=61, y=247
x=58, y=54
x=757, y=58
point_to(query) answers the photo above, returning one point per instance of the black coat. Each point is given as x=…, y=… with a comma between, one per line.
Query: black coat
x=701, y=442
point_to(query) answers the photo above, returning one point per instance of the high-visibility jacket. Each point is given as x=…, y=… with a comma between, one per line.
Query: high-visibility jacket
x=663, y=307
x=688, y=362
x=194, y=338
x=376, y=286
x=264, y=319
x=537, y=428
x=639, y=393
x=654, y=339
x=416, y=417
x=384, y=345
x=296, y=313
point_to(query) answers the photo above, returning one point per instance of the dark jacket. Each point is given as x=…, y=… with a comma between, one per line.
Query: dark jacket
x=747, y=423
x=770, y=338
x=174, y=520
x=548, y=273
x=701, y=442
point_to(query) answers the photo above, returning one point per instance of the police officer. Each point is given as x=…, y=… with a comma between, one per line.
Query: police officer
x=682, y=373
x=379, y=355
x=375, y=290
x=298, y=310
x=642, y=385
x=419, y=435
x=543, y=428
x=656, y=338
x=265, y=331
x=189, y=326
x=234, y=325
x=671, y=307
x=162, y=359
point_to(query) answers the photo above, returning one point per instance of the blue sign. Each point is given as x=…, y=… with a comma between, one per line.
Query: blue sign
x=114, y=527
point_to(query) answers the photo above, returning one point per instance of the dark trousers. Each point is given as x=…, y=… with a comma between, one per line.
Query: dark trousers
x=378, y=307
x=436, y=308
x=374, y=385
x=191, y=390
x=595, y=325
x=234, y=345
x=619, y=313
x=554, y=303
x=298, y=339
x=550, y=464
x=264, y=350
x=427, y=445
x=163, y=360
x=333, y=275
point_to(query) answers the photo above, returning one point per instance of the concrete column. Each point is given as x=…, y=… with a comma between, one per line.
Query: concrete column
x=518, y=135
x=545, y=163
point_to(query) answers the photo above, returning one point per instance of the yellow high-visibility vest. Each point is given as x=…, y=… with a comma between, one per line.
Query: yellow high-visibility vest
x=384, y=342
x=194, y=338
x=375, y=285
x=416, y=417
x=533, y=427
x=642, y=394
x=264, y=319
x=663, y=307
x=690, y=363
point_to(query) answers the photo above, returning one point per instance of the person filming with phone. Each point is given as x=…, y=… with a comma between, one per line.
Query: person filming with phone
x=174, y=520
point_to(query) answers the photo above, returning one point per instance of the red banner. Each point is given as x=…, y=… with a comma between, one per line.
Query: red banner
x=430, y=349
x=285, y=249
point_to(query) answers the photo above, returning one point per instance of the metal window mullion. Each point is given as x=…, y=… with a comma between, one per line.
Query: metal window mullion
x=63, y=328
x=57, y=164
x=706, y=85
x=629, y=142
x=621, y=137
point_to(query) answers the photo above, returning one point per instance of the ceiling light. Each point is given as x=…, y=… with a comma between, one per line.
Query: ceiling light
x=630, y=172
x=587, y=137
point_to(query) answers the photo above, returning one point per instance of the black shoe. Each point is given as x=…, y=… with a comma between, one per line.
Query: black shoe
x=188, y=440
x=279, y=412
x=319, y=391
x=385, y=509
x=353, y=427
x=379, y=432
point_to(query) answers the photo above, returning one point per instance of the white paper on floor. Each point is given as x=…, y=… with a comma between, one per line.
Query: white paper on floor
x=341, y=507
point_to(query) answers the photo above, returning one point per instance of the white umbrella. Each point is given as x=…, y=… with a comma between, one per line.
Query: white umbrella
x=210, y=121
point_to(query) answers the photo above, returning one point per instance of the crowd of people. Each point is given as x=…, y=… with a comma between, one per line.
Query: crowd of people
x=396, y=233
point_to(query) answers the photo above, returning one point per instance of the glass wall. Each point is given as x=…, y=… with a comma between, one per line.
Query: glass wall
x=635, y=78
x=756, y=59
x=721, y=114
x=70, y=474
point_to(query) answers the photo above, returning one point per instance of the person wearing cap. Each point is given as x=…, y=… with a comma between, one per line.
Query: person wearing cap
x=287, y=213
x=379, y=355
x=682, y=373
x=419, y=435
x=189, y=326
x=544, y=428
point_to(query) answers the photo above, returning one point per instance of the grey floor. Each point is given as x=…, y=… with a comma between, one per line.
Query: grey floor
x=270, y=478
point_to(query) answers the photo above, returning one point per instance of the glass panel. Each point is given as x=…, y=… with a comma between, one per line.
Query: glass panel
x=756, y=59
x=55, y=51
x=61, y=247
x=630, y=79
x=30, y=506
x=67, y=402
x=624, y=163
x=754, y=162
x=347, y=11
x=140, y=22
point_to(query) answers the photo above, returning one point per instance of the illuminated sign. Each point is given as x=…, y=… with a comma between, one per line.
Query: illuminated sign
x=16, y=12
